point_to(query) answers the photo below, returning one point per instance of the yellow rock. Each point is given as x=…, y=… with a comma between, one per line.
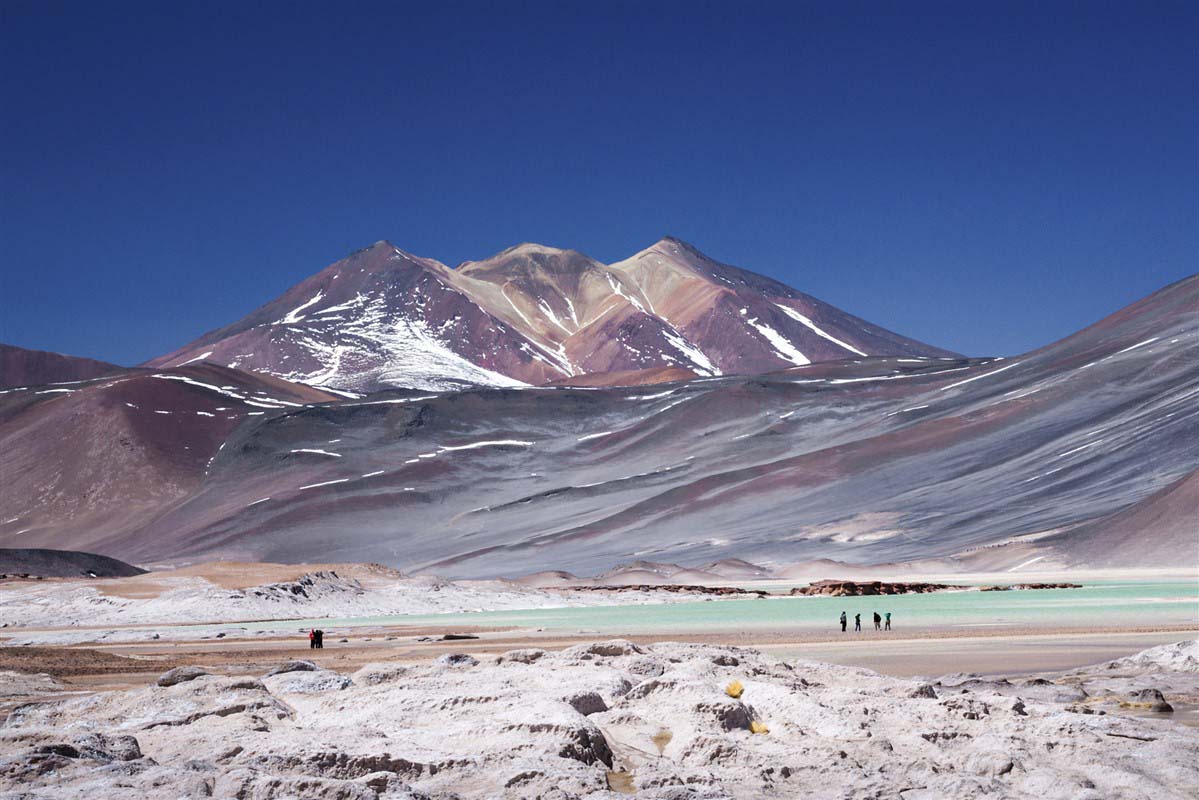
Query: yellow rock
x=734, y=689
x=758, y=727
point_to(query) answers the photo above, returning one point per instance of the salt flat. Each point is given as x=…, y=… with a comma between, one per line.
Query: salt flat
x=607, y=718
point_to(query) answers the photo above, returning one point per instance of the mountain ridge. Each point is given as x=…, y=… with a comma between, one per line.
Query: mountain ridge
x=534, y=314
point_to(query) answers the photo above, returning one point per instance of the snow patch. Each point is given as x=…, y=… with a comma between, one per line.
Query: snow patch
x=801, y=319
x=784, y=349
x=294, y=315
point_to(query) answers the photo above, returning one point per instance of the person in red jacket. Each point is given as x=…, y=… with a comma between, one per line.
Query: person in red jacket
x=311, y=639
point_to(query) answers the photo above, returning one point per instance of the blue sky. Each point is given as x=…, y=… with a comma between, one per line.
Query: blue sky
x=985, y=177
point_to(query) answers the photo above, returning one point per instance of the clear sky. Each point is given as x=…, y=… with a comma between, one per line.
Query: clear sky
x=987, y=177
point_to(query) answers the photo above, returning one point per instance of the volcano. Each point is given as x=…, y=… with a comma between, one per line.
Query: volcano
x=531, y=315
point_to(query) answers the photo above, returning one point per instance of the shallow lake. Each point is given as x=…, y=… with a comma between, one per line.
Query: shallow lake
x=1099, y=604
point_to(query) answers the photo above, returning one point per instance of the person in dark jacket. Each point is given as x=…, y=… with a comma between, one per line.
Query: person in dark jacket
x=320, y=639
x=857, y=622
x=842, y=622
x=878, y=622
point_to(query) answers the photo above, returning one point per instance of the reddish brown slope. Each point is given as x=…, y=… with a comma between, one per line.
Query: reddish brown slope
x=21, y=367
x=82, y=461
x=1160, y=531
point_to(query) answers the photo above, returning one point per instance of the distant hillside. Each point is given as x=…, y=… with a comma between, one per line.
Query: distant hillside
x=21, y=367
x=63, y=564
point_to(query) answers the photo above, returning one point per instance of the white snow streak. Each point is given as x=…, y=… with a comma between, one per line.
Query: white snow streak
x=325, y=483
x=667, y=393
x=616, y=288
x=200, y=357
x=294, y=315
x=474, y=445
x=317, y=452
x=800, y=318
x=1138, y=344
x=979, y=377
x=263, y=402
x=693, y=353
x=1076, y=449
x=784, y=349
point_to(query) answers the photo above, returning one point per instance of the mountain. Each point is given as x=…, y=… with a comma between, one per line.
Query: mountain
x=865, y=461
x=21, y=367
x=383, y=318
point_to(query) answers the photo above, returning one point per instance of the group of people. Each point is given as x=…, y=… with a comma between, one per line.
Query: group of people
x=857, y=622
x=316, y=638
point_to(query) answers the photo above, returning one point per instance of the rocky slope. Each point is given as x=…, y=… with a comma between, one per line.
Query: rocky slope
x=384, y=318
x=602, y=720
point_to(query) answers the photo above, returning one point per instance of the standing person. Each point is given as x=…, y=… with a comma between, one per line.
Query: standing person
x=842, y=622
x=857, y=622
x=320, y=639
x=878, y=622
x=312, y=638
x=888, y=626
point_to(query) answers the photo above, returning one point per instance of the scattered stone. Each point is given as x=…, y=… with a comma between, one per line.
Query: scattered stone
x=293, y=666
x=454, y=637
x=924, y=690
x=457, y=660
x=381, y=672
x=587, y=703
x=307, y=682
x=525, y=656
x=1153, y=699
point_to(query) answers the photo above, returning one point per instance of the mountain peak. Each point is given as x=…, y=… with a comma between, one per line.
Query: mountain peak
x=535, y=247
x=517, y=259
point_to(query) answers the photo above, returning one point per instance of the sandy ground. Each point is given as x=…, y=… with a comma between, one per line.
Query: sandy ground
x=908, y=654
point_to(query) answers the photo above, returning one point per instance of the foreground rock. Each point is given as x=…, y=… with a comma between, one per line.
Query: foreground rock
x=867, y=588
x=836, y=588
x=581, y=723
x=674, y=588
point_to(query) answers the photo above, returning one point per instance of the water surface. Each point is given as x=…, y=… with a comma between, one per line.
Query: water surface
x=1100, y=604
